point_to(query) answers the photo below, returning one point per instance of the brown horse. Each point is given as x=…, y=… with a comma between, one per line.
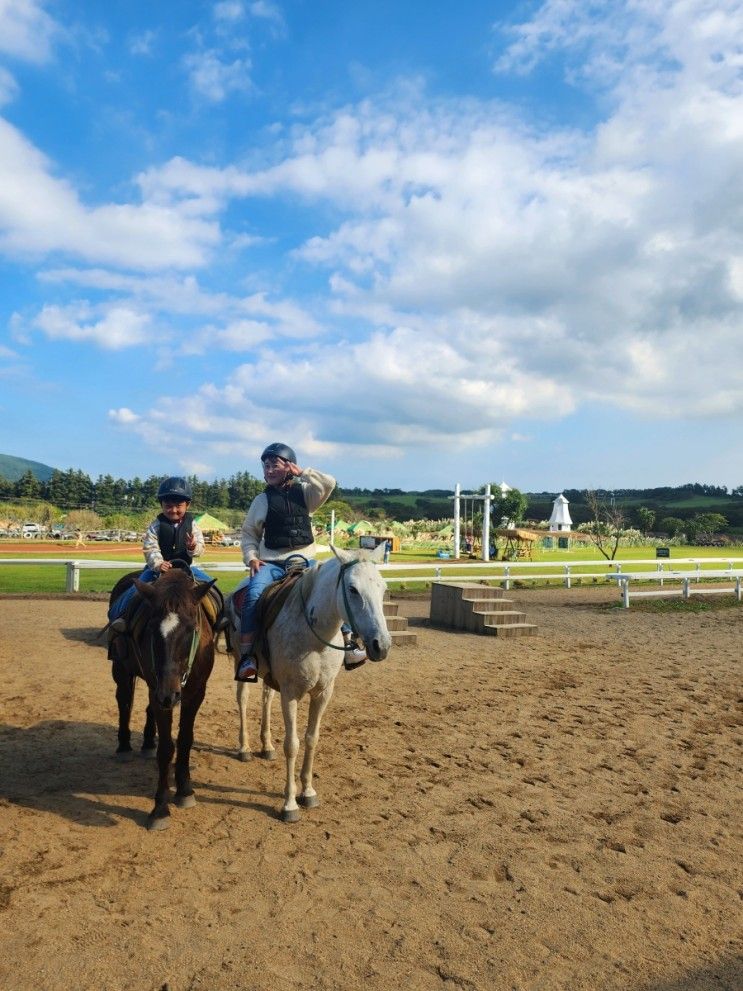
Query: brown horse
x=171, y=647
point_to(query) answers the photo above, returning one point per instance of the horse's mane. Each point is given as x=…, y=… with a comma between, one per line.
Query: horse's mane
x=310, y=575
x=308, y=579
x=171, y=586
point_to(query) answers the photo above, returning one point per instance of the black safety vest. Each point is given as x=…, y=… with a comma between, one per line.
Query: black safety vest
x=172, y=539
x=288, y=523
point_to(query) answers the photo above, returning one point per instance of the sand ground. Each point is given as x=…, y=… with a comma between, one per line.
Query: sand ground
x=556, y=812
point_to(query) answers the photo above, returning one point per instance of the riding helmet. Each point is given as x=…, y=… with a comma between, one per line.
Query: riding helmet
x=279, y=451
x=175, y=488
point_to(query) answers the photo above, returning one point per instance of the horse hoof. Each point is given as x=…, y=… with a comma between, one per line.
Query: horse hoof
x=244, y=756
x=185, y=801
x=161, y=822
x=268, y=755
x=290, y=815
x=148, y=751
x=308, y=801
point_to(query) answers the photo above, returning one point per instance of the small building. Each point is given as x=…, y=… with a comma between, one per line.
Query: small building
x=370, y=541
x=560, y=518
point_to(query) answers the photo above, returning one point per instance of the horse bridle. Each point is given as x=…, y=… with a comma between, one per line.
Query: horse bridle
x=345, y=566
x=153, y=665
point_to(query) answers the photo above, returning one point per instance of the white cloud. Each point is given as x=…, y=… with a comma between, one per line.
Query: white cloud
x=229, y=11
x=27, y=32
x=8, y=87
x=213, y=77
x=269, y=12
x=40, y=213
x=119, y=327
x=123, y=416
x=236, y=323
x=142, y=44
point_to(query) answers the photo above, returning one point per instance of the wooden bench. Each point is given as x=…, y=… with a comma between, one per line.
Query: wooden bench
x=689, y=583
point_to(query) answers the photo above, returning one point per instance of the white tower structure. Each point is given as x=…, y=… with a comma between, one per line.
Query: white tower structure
x=560, y=518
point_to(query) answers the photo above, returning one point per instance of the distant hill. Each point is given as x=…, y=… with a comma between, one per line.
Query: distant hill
x=14, y=468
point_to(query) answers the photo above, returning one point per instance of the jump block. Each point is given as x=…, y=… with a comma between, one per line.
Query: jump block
x=398, y=625
x=477, y=609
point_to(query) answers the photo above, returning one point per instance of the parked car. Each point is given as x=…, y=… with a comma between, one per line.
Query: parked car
x=31, y=530
x=229, y=542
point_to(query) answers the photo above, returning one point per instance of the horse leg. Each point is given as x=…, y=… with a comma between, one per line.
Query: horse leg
x=290, y=809
x=124, y=699
x=267, y=749
x=184, y=796
x=149, y=739
x=244, y=752
x=159, y=817
x=318, y=704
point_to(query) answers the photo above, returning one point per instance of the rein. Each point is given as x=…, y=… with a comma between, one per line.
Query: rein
x=343, y=568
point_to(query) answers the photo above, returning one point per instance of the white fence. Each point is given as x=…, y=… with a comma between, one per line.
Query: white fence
x=502, y=572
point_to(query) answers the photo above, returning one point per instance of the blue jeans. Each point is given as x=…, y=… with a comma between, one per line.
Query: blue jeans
x=118, y=608
x=271, y=571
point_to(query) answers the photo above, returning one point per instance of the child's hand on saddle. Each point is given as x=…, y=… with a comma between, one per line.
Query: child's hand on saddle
x=255, y=565
x=166, y=566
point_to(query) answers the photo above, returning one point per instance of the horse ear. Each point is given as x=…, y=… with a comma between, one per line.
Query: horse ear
x=203, y=588
x=144, y=589
x=377, y=555
x=342, y=555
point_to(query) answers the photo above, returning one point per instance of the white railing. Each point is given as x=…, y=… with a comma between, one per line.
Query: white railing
x=730, y=578
x=503, y=572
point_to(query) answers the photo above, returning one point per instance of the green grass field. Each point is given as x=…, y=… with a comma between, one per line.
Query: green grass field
x=50, y=579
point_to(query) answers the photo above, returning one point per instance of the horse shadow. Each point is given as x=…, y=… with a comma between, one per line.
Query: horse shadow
x=69, y=768
x=723, y=975
x=94, y=636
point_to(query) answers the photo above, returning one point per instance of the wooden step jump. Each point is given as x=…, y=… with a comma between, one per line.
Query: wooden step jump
x=398, y=625
x=477, y=608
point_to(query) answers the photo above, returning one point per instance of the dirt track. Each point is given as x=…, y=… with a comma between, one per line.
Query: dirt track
x=559, y=812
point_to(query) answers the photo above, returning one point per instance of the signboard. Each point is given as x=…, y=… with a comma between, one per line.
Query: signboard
x=662, y=551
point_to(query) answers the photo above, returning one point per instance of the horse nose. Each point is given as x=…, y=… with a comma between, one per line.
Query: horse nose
x=376, y=650
x=169, y=700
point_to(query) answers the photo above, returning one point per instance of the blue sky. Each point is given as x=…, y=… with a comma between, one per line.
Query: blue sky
x=423, y=242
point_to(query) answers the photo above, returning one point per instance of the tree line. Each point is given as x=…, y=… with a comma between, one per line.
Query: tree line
x=75, y=489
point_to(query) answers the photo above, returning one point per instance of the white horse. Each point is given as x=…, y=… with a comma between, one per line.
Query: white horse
x=306, y=654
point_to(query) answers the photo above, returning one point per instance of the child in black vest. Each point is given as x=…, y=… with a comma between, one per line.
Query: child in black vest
x=278, y=525
x=172, y=535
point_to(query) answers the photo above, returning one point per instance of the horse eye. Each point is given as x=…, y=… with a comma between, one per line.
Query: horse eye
x=353, y=589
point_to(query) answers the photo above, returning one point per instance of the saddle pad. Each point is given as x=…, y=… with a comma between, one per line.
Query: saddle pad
x=238, y=597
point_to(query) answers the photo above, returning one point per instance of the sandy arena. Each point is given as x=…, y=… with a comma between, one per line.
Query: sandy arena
x=555, y=813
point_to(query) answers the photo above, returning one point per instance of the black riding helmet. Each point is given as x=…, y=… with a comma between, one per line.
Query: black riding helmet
x=279, y=451
x=175, y=488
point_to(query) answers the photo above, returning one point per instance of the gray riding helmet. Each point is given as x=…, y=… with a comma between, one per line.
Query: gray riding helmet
x=278, y=450
x=175, y=488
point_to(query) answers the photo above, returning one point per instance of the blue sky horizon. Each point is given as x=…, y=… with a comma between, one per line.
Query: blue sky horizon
x=423, y=243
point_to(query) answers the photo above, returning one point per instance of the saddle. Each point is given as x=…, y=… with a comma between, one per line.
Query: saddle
x=136, y=617
x=267, y=609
